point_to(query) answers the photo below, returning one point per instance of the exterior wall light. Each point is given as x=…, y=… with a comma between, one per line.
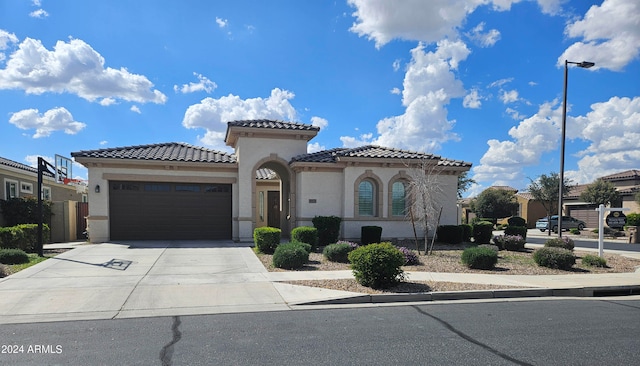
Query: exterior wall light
x=97, y=189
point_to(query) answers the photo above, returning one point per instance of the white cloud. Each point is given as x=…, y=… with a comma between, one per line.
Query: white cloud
x=396, y=91
x=203, y=84
x=56, y=119
x=315, y=147
x=107, y=102
x=499, y=83
x=222, y=22
x=472, y=100
x=103, y=142
x=319, y=122
x=514, y=114
x=213, y=114
x=73, y=67
x=610, y=35
x=551, y=7
x=532, y=83
x=36, y=3
x=364, y=139
x=396, y=64
x=509, y=96
x=487, y=39
x=6, y=39
x=40, y=13
x=134, y=108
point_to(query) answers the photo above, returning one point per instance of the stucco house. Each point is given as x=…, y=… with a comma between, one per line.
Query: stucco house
x=180, y=191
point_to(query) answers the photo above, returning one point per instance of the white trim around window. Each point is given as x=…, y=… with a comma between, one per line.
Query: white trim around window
x=26, y=187
x=46, y=193
x=11, y=189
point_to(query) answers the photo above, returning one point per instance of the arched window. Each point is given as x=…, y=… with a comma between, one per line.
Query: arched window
x=366, y=198
x=398, y=199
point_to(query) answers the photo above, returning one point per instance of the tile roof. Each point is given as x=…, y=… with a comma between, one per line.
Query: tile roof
x=634, y=173
x=526, y=195
x=171, y=151
x=270, y=124
x=504, y=188
x=15, y=164
x=373, y=152
x=266, y=174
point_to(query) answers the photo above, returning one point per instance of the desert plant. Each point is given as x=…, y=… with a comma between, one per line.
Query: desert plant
x=467, y=230
x=564, y=242
x=516, y=221
x=328, y=229
x=377, y=265
x=338, y=252
x=574, y=231
x=594, y=261
x=633, y=219
x=554, y=257
x=370, y=234
x=495, y=248
x=482, y=231
x=479, y=257
x=450, y=234
x=266, y=239
x=410, y=257
x=516, y=230
x=509, y=242
x=305, y=234
x=13, y=256
x=4, y=271
x=290, y=256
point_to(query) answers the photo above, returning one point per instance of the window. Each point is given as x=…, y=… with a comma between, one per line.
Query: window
x=85, y=198
x=46, y=193
x=26, y=187
x=10, y=189
x=366, y=199
x=398, y=199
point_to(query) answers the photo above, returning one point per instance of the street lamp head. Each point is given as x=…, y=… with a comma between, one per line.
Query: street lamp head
x=586, y=64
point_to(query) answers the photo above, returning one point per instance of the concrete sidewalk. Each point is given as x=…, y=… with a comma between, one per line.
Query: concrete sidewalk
x=165, y=278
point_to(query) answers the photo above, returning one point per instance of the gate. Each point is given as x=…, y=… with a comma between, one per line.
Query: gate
x=82, y=211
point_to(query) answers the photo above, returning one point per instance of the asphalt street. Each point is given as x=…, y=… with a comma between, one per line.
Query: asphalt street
x=533, y=332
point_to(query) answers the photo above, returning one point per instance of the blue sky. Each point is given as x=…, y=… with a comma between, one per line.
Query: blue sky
x=472, y=80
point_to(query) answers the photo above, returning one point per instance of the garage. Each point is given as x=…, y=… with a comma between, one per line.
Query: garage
x=169, y=211
x=586, y=213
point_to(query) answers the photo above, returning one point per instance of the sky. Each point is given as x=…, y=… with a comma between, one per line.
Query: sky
x=474, y=80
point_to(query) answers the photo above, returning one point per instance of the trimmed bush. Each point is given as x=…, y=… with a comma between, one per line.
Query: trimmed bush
x=338, y=252
x=24, y=237
x=482, y=232
x=13, y=256
x=306, y=246
x=450, y=234
x=4, y=271
x=410, y=257
x=594, y=261
x=554, y=257
x=633, y=219
x=18, y=211
x=517, y=221
x=479, y=257
x=467, y=230
x=565, y=243
x=377, y=265
x=495, y=248
x=516, y=230
x=305, y=234
x=370, y=234
x=328, y=229
x=574, y=231
x=266, y=239
x=290, y=256
x=509, y=242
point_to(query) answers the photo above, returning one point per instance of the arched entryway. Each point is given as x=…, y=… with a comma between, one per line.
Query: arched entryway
x=273, y=195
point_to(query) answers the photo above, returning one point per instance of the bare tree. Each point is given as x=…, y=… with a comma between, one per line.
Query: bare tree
x=425, y=194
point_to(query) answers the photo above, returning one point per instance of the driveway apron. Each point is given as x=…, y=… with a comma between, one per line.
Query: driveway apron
x=140, y=278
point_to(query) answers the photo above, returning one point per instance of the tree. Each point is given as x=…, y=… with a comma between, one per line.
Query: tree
x=545, y=190
x=425, y=191
x=464, y=183
x=495, y=203
x=600, y=192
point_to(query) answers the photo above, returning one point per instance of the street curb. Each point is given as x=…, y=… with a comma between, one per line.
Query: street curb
x=599, y=291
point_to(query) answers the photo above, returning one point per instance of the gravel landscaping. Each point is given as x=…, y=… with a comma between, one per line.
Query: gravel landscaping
x=446, y=259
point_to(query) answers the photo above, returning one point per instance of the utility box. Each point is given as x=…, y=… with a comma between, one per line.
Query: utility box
x=633, y=235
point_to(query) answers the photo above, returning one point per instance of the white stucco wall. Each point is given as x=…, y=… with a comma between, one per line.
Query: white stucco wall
x=319, y=194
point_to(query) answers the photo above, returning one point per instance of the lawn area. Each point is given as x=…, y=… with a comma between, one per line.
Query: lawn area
x=34, y=259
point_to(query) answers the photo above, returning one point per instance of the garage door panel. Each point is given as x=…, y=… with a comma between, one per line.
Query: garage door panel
x=151, y=210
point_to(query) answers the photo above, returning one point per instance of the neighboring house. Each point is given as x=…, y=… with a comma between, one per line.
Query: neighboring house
x=20, y=180
x=530, y=209
x=179, y=191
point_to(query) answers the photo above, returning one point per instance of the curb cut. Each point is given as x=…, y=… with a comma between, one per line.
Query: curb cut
x=489, y=294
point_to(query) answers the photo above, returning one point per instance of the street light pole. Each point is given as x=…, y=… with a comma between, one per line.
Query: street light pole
x=585, y=65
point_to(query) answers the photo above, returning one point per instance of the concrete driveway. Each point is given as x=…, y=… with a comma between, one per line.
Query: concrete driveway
x=143, y=278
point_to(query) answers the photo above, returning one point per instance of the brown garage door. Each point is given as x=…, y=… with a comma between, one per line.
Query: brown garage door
x=586, y=213
x=156, y=210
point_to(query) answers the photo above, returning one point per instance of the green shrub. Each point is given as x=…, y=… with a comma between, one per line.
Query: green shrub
x=495, y=248
x=4, y=271
x=18, y=211
x=479, y=257
x=450, y=234
x=305, y=234
x=517, y=221
x=565, y=243
x=306, y=246
x=13, y=256
x=554, y=257
x=574, y=231
x=290, y=256
x=377, y=265
x=266, y=239
x=24, y=236
x=370, y=234
x=328, y=229
x=633, y=219
x=594, y=261
x=510, y=242
x=338, y=252
x=482, y=232
x=516, y=230
x=467, y=230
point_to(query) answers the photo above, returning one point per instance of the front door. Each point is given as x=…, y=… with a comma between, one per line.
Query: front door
x=273, y=210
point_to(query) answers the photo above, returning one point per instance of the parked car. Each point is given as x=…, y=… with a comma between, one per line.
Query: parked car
x=568, y=222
